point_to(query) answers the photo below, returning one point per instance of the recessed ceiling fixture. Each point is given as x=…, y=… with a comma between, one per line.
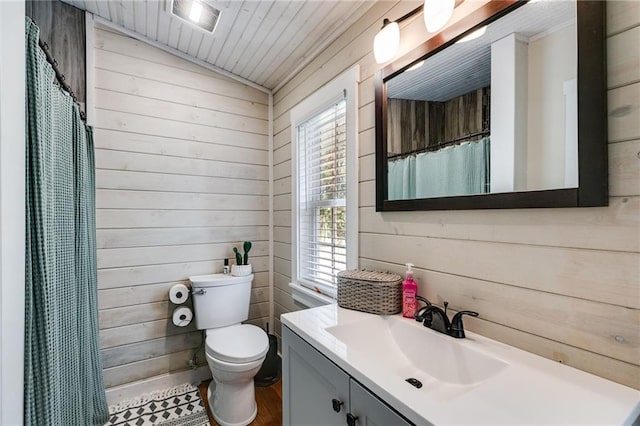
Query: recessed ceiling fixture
x=196, y=12
x=436, y=15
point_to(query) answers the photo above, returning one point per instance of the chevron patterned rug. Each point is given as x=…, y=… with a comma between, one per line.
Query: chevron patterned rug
x=177, y=406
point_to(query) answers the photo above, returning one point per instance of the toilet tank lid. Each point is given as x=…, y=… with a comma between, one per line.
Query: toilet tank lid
x=214, y=280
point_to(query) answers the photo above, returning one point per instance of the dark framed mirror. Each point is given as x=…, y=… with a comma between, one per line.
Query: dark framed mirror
x=505, y=108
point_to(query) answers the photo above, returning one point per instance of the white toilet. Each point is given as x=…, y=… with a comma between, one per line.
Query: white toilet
x=234, y=351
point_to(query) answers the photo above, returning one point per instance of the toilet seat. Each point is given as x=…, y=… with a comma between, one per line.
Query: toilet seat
x=240, y=343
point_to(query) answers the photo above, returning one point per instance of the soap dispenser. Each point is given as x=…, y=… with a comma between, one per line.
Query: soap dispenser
x=409, y=291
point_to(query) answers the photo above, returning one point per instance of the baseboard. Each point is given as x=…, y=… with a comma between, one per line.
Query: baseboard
x=121, y=393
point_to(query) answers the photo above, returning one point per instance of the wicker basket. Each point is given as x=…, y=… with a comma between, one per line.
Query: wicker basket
x=370, y=291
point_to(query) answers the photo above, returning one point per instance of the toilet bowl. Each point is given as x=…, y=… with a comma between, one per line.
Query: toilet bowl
x=234, y=351
x=234, y=354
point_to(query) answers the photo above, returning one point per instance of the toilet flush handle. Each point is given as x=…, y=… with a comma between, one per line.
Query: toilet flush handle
x=199, y=292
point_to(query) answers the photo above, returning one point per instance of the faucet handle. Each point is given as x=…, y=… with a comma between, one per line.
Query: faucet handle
x=457, y=328
x=423, y=300
x=420, y=314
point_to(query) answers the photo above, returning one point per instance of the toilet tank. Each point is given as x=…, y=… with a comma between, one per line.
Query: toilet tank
x=220, y=300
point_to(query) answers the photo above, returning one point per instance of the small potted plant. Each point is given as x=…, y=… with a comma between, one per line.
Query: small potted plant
x=242, y=266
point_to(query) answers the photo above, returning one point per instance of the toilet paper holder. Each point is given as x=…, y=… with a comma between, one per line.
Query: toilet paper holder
x=178, y=294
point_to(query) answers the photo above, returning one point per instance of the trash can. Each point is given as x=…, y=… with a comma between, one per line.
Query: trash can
x=271, y=369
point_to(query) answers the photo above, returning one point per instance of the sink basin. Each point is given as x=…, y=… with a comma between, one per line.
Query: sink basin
x=471, y=381
x=408, y=349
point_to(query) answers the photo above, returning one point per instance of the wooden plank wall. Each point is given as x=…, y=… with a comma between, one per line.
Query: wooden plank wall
x=62, y=27
x=462, y=115
x=408, y=123
x=182, y=177
x=412, y=124
x=562, y=283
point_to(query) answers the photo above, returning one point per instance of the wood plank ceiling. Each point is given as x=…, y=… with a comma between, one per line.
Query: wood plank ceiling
x=263, y=41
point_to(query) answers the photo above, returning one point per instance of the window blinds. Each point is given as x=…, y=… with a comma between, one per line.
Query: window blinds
x=322, y=198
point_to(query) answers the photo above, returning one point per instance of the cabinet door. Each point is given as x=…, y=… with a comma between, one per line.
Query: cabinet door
x=370, y=411
x=310, y=384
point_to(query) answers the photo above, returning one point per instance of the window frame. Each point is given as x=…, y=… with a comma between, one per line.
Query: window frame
x=344, y=86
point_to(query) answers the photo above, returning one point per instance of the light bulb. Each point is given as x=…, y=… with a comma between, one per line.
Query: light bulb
x=386, y=42
x=474, y=35
x=437, y=13
x=416, y=66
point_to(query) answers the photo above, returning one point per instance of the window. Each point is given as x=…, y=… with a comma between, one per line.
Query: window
x=324, y=185
x=322, y=196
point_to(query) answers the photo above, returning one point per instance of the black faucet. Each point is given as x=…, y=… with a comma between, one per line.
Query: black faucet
x=437, y=319
x=421, y=314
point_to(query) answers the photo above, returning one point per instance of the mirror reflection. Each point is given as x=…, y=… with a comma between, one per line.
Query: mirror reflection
x=494, y=112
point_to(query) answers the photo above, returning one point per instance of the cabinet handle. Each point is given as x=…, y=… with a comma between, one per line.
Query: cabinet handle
x=351, y=419
x=337, y=404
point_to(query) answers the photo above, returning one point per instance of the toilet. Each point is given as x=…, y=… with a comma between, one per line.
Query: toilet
x=234, y=351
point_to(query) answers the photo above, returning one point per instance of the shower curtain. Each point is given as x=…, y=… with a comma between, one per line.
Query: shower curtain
x=456, y=170
x=63, y=371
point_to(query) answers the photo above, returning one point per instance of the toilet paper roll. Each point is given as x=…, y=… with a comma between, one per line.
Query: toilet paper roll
x=182, y=316
x=178, y=294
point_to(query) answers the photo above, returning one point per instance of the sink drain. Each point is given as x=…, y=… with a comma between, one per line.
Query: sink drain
x=414, y=382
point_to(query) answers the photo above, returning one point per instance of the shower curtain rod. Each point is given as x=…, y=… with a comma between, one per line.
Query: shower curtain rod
x=440, y=145
x=60, y=77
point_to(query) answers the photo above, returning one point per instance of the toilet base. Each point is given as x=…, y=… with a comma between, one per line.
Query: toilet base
x=229, y=412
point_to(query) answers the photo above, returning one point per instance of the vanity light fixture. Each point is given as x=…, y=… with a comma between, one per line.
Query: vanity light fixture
x=436, y=15
x=196, y=12
x=386, y=42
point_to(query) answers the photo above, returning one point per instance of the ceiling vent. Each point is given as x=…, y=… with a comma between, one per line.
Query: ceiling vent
x=198, y=13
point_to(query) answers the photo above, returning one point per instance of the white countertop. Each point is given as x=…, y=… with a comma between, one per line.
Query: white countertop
x=529, y=390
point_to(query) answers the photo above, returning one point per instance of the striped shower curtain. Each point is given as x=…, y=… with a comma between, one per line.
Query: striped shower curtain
x=63, y=371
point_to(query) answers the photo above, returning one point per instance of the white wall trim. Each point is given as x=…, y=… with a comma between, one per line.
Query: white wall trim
x=179, y=54
x=308, y=298
x=12, y=210
x=271, y=195
x=122, y=393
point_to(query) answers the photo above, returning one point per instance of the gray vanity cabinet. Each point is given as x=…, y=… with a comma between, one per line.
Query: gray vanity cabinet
x=310, y=384
x=369, y=410
x=316, y=392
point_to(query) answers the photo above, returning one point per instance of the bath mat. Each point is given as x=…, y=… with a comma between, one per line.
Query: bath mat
x=177, y=406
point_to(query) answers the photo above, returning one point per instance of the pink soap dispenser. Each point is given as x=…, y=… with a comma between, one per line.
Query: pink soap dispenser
x=409, y=291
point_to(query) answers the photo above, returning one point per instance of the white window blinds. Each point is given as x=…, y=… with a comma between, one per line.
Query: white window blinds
x=322, y=187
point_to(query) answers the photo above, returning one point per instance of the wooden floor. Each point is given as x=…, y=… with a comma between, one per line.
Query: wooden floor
x=269, y=401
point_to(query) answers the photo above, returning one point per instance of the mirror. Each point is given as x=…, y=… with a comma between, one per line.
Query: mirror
x=504, y=109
